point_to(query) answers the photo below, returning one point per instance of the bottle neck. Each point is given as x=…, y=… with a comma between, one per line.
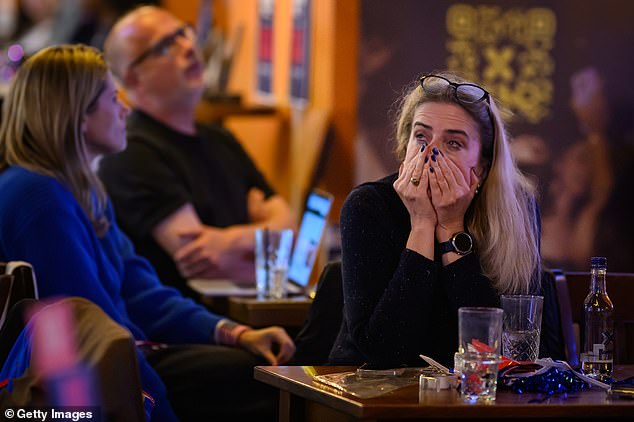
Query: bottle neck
x=597, y=280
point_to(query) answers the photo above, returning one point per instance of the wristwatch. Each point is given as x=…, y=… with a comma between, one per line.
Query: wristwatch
x=460, y=243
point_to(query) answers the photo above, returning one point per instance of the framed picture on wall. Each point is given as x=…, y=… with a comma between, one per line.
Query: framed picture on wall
x=300, y=52
x=264, y=60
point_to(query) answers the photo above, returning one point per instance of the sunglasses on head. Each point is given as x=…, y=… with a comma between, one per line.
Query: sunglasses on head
x=465, y=93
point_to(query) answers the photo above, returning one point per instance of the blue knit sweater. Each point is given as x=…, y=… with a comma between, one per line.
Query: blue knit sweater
x=43, y=224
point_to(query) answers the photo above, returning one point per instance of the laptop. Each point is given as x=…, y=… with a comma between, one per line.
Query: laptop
x=303, y=257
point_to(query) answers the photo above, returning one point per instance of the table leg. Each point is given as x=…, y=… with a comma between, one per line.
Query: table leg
x=292, y=408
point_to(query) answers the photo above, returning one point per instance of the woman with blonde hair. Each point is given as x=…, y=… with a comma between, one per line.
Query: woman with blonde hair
x=62, y=112
x=457, y=226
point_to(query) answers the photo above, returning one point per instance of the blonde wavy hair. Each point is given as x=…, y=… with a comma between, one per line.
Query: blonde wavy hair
x=503, y=217
x=42, y=119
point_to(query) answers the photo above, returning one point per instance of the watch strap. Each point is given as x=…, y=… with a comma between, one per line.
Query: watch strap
x=450, y=245
x=446, y=247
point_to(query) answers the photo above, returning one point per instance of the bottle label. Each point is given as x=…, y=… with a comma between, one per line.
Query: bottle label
x=607, y=337
x=599, y=353
x=597, y=349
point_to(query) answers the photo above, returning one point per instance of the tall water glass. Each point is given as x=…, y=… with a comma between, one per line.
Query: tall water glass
x=480, y=332
x=272, y=253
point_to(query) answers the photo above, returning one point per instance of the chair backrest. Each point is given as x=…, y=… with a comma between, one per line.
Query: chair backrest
x=570, y=340
x=6, y=283
x=18, y=282
x=15, y=321
x=18, y=288
x=323, y=322
x=620, y=287
x=99, y=342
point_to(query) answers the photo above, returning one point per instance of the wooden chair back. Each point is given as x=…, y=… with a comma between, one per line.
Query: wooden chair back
x=570, y=340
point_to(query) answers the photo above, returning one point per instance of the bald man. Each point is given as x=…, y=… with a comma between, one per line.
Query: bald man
x=188, y=195
x=190, y=198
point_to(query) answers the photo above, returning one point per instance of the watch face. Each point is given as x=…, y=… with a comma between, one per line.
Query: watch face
x=463, y=242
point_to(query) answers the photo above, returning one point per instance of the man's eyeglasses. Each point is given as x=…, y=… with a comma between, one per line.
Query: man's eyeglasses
x=465, y=93
x=163, y=46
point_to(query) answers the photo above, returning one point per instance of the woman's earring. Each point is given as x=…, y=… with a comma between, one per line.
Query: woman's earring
x=477, y=191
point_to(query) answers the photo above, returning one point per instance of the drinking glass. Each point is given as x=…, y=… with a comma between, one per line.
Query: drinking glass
x=522, y=326
x=476, y=363
x=272, y=253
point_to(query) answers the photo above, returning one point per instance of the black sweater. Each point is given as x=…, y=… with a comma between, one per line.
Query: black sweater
x=399, y=304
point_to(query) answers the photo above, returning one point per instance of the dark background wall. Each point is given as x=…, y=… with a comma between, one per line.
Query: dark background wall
x=526, y=52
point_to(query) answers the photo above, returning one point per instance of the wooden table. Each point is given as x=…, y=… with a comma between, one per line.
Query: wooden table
x=303, y=399
x=289, y=312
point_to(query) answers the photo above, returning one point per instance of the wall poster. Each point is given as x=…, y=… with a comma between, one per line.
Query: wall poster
x=264, y=62
x=300, y=52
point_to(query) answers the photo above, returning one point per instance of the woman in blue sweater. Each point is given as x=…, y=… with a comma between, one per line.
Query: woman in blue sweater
x=61, y=113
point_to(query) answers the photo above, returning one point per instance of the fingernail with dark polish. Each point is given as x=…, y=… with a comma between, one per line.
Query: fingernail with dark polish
x=434, y=150
x=426, y=159
x=422, y=148
x=441, y=153
x=431, y=169
x=433, y=158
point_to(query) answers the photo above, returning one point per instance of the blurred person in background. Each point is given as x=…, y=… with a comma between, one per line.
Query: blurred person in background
x=97, y=19
x=187, y=194
x=55, y=214
x=583, y=180
x=35, y=24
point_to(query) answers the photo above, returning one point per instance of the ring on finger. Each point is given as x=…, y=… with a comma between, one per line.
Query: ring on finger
x=414, y=181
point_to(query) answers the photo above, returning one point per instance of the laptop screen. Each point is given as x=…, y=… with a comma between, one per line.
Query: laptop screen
x=311, y=230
